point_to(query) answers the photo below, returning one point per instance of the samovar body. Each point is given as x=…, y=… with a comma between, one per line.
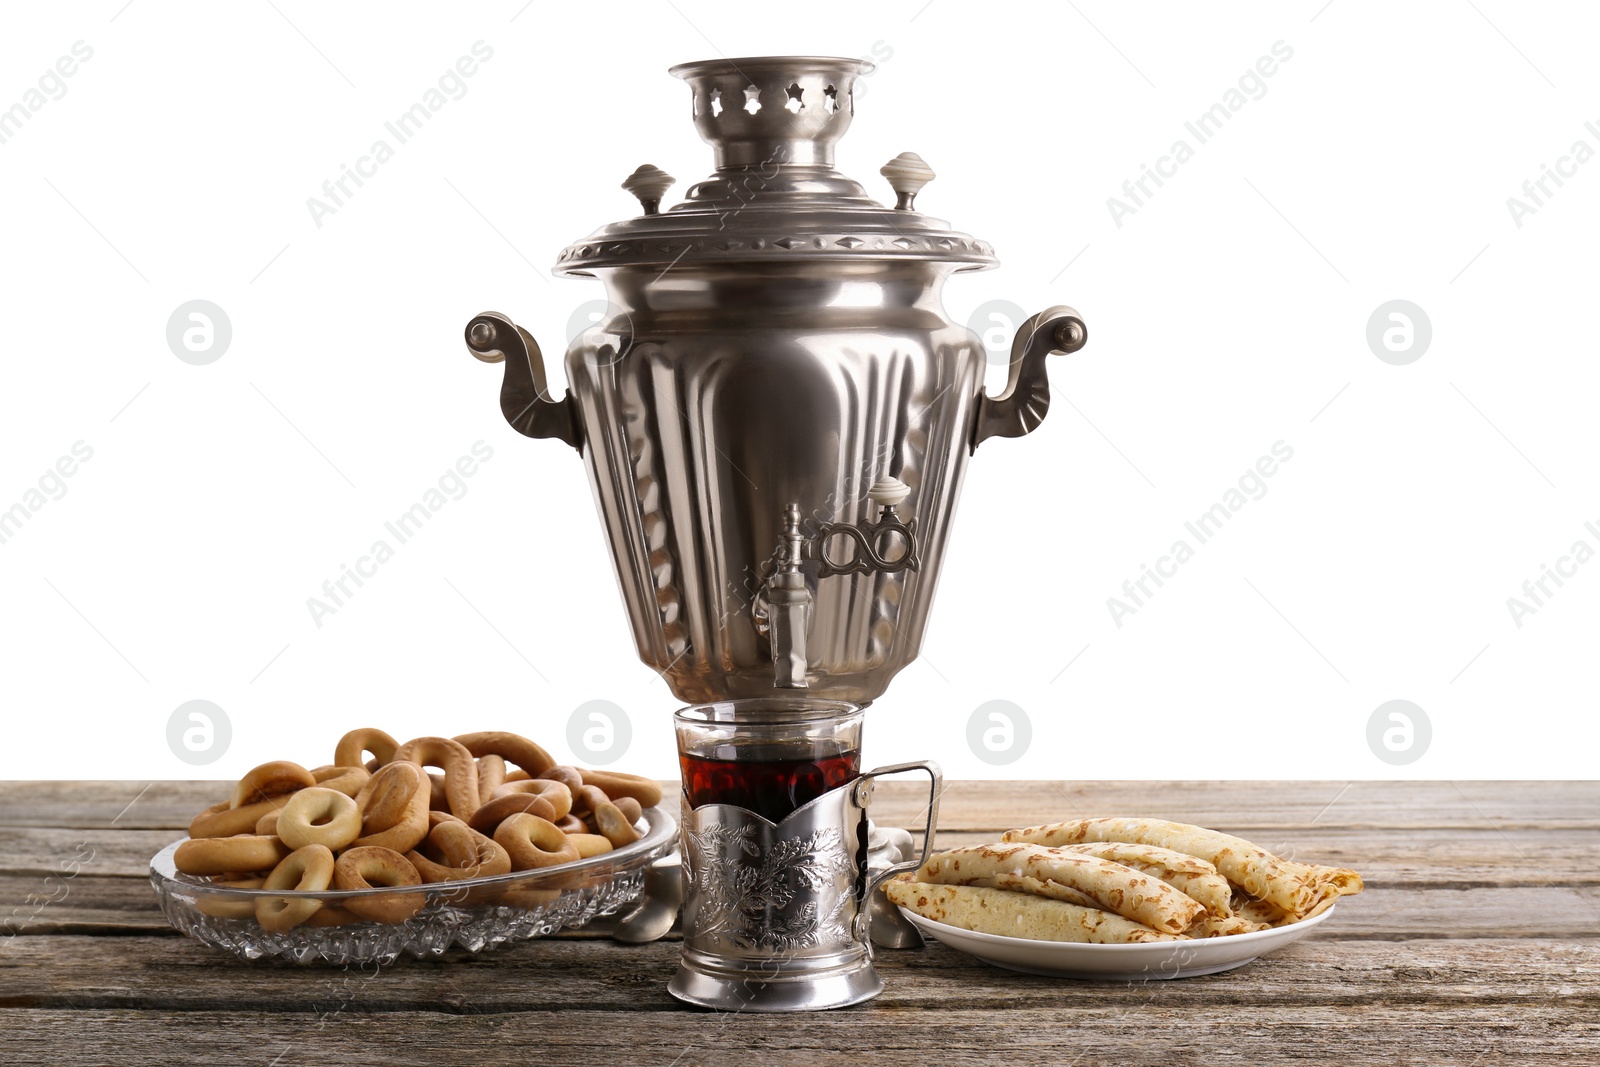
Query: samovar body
x=737, y=392
x=775, y=413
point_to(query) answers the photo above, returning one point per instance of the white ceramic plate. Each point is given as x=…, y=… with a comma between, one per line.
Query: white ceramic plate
x=1117, y=963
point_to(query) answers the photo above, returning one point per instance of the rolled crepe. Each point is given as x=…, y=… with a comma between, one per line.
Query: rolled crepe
x=1269, y=914
x=1112, y=886
x=1022, y=883
x=1286, y=884
x=1222, y=926
x=1001, y=911
x=1343, y=879
x=1189, y=875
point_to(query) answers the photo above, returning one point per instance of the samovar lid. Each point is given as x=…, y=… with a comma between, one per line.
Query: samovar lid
x=775, y=197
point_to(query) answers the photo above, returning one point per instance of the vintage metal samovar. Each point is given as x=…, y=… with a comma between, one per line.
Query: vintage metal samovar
x=776, y=417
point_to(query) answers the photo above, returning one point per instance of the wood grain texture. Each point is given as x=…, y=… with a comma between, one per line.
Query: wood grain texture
x=1477, y=942
x=173, y=974
x=1254, y=807
x=952, y=1035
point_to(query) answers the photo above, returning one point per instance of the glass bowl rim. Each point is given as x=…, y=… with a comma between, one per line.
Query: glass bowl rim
x=656, y=842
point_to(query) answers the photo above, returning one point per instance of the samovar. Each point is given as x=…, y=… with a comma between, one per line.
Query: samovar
x=776, y=417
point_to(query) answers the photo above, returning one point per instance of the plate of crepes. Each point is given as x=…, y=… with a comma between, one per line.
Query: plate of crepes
x=1118, y=899
x=364, y=858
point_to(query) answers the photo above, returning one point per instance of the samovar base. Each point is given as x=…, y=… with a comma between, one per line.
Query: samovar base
x=754, y=991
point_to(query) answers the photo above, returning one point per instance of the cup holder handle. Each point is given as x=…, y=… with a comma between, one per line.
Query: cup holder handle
x=863, y=789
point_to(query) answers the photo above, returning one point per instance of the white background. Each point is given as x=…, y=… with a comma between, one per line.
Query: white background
x=1226, y=314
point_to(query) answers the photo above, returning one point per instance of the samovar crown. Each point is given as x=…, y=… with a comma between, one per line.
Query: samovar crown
x=775, y=197
x=773, y=109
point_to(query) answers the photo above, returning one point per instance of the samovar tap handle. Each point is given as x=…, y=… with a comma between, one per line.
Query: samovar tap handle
x=1022, y=407
x=524, y=398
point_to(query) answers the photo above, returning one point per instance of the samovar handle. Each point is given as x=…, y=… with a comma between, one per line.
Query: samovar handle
x=524, y=398
x=1026, y=400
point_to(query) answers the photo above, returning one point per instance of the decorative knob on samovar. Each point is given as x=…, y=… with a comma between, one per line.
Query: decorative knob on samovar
x=649, y=183
x=907, y=174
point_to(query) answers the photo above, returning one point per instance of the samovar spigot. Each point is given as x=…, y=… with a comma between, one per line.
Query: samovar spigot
x=790, y=606
x=886, y=545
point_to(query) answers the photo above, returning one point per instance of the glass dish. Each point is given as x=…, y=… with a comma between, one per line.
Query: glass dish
x=475, y=913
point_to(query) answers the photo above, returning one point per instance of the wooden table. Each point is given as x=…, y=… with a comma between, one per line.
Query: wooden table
x=1477, y=942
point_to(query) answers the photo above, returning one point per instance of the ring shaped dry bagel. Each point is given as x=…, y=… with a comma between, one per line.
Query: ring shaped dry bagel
x=438, y=796
x=613, y=825
x=347, y=780
x=394, y=808
x=371, y=867
x=492, y=814
x=570, y=777
x=222, y=855
x=559, y=796
x=405, y=834
x=388, y=794
x=332, y=915
x=219, y=906
x=459, y=766
x=631, y=809
x=270, y=780
x=309, y=868
x=616, y=784
x=458, y=845
x=219, y=820
x=462, y=853
x=571, y=824
x=589, y=844
x=588, y=797
x=353, y=745
x=319, y=816
x=533, y=843
x=491, y=775
x=512, y=747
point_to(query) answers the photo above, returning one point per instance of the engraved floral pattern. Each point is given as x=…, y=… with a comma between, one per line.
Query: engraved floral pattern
x=798, y=894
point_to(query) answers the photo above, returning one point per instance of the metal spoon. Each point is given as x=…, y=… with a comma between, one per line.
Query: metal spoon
x=657, y=908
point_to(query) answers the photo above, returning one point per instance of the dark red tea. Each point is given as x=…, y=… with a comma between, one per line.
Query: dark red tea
x=770, y=780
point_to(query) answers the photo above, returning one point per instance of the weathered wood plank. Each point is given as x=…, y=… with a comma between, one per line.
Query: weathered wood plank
x=1430, y=857
x=166, y=974
x=42, y=851
x=1245, y=807
x=1259, y=808
x=91, y=905
x=1066, y=1032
